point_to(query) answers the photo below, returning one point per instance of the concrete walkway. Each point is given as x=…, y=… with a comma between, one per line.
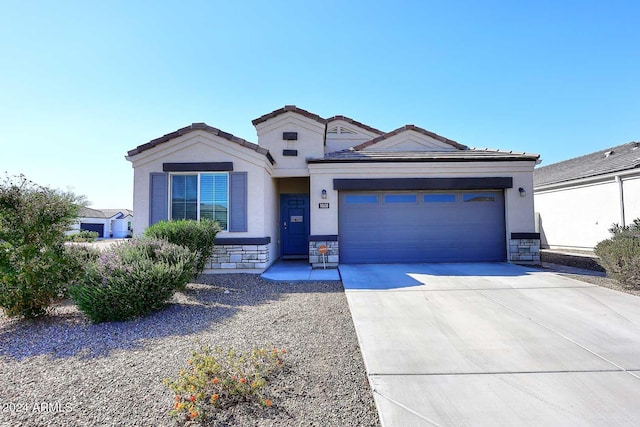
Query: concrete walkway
x=495, y=345
x=298, y=271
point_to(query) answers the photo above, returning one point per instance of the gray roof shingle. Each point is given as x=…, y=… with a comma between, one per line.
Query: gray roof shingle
x=86, y=212
x=616, y=159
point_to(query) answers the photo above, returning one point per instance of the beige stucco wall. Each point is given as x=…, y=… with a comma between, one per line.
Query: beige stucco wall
x=579, y=216
x=310, y=142
x=519, y=210
x=200, y=146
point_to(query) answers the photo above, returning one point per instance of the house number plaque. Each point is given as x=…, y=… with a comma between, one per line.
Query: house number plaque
x=323, y=205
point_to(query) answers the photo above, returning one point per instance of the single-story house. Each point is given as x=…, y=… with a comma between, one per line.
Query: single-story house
x=115, y=223
x=578, y=200
x=334, y=190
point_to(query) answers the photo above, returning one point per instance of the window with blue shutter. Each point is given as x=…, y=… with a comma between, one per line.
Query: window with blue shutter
x=238, y=201
x=158, y=200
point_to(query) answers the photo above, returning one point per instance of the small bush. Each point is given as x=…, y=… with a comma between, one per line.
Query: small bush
x=83, y=236
x=219, y=379
x=199, y=236
x=620, y=255
x=34, y=268
x=131, y=279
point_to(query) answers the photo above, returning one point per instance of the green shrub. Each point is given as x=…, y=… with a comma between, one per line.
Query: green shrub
x=199, y=236
x=132, y=278
x=620, y=255
x=83, y=236
x=34, y=268
x=219, y=379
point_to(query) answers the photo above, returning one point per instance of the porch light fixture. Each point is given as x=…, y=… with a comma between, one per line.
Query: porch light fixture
x=522, y=191
x=324, y=194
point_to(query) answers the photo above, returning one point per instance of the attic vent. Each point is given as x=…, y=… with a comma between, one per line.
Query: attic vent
x=290, y=136
x=608, y=153
x=340, y=130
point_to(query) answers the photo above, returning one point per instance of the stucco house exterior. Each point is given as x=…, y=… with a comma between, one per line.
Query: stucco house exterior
x=108, y=223
x=579, y=199
x=335, y=185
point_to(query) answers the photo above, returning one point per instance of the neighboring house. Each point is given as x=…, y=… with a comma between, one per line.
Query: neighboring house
x=365, y=195
x=115, y=223
x=579, y=199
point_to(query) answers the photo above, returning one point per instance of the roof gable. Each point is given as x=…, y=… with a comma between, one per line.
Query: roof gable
x=410, y=138
x=287, y=109
x=202, y=127
x=616, y=159
x=352, y=122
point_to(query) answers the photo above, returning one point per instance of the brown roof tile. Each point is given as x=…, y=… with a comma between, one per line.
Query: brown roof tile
x=413, y=128
x=286, y=109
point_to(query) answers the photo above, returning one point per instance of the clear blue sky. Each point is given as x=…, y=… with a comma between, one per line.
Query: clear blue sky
x=83, y=82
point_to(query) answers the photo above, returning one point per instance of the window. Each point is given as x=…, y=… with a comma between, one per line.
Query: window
x=439, y=198
x=479, y=197
x=400, y=198
x=201, y=196
x=359, y=199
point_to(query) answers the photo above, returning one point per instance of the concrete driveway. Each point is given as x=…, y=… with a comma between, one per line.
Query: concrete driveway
x=495, y=345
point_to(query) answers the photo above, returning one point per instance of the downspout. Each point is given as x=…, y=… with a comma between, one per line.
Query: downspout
x=621, y=198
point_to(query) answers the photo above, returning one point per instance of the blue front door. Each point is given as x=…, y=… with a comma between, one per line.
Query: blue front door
x=294, y=225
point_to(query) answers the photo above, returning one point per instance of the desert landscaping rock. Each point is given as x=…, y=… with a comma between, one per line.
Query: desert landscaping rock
x=62, y=370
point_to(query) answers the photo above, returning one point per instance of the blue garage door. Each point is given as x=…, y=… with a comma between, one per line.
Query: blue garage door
x=391, y=227
x=98, y=228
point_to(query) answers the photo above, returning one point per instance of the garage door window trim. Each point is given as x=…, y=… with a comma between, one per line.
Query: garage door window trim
x=400, y=198
x=478, y=197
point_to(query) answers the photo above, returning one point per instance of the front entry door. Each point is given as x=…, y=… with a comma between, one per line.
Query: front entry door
x=294, y=225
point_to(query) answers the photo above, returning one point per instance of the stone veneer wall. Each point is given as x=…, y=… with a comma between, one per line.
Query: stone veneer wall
x=238, y=257
x=331, y=258
x=524, y=248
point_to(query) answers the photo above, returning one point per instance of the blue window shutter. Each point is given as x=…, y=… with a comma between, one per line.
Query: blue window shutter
x=158, y=197
x=238, y=201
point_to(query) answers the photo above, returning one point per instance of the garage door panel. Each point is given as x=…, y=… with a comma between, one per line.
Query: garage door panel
x=424, y=231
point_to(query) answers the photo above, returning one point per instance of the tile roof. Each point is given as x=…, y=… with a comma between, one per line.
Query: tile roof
x=616, y=159
x=470, y=155
x=286, y=109
x=200, y=126
x=355, y=123
x=413, y=128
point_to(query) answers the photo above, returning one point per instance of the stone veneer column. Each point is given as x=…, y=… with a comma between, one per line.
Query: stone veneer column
x=238, y=257
x=331, y=258
x=524, y=248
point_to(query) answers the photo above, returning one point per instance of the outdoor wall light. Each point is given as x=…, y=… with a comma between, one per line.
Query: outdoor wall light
x=324, y=194
x=522, y=192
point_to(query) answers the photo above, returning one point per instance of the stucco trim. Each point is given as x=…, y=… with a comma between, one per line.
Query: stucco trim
x=525, y=236
x=382, y=184
x=323, y=237
x=242, y=241
x=198, y=167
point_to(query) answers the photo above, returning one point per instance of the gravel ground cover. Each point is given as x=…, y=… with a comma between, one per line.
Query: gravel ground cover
x=65, y=371
x=589, y=276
